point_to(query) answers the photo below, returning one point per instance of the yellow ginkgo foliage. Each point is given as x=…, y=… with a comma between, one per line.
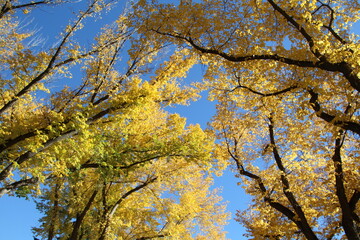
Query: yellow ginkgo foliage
x=286, y=77
x=101, y=156
x=139, y=177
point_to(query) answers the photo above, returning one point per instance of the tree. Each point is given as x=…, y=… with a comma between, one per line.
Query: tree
x=135, y=184
x=286, y=78
x=101, y=156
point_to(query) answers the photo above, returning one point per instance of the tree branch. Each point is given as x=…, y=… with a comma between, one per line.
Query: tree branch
x=303, y=223
x=55, y=211
x=323, y=64
x=7, y=7
x=302, y=30
x=88, y=164
x=29, y=154
x=329, y=26
x=346, y=125
x=241, y=169
x=354, y=200
x=119, y=201
x=80, y=217
x=15, y=185
x=153, y=237
x=288, y=89
x=52, y=63
x=347, y=213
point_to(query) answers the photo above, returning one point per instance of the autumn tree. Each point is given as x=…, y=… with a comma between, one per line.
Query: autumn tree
x=286, y=78
x=99, y=154
x=141, y=183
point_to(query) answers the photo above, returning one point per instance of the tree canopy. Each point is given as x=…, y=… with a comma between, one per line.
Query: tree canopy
x=285, y=75
x=104, y=159
x=99, y=154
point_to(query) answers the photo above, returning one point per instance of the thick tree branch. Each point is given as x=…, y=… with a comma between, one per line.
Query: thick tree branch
x=323, y=63
x=346, y=125
x=80, y=217
x=346, y=210
x=352, y=203
x=153, y=237
x=29, y=154
x=88, y=164
x=241, y=169
x=279, y=92
x=329, y=27
x=303, y=223
x=354, y=200
x=11, y=142
x=278, y=206
x=119, y=201
x=302, y=30
x=341, y=67
x=54, y=212
x=235, y=58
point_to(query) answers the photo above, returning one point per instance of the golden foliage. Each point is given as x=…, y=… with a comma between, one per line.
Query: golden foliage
x=285, y=75
x=101, y=156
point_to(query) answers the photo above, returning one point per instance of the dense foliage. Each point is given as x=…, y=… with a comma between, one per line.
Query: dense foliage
x=104, y=160
x=286, y=76
x=99, y=153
